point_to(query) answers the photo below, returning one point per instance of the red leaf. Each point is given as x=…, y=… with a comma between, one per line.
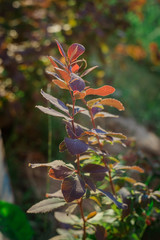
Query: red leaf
x=53, y=63
x=75, y=50
x=73, y=187
x=60, y=49
x=75, y=68
x=102, y=91
x=113, y=103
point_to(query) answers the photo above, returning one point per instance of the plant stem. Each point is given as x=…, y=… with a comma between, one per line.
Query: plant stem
x=100, y=145
x=83, y=218
x=111, y=183
x=78, y=169
x=78, y=164
x=49, y=136
x=143, y=230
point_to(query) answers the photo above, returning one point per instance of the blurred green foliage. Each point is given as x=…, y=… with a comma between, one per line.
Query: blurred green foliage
x=14, y=223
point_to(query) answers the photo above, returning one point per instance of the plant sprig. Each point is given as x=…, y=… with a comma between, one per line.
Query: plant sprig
x=79, y=181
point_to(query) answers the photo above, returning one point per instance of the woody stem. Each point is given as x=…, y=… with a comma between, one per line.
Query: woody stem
x=100, y=145
x=78, y=170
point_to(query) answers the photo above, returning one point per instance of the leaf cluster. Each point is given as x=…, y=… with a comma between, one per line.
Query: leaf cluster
x=91, y=175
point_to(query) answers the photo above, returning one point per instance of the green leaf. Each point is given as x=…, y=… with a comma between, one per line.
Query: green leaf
x=14, y=223
x=47, y=205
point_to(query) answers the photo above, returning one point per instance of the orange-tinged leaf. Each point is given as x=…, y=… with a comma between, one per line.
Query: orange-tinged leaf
x=60, y=84
x=84, y=157
x=102, y=91
x=79, y=95
x=127, y=179
x=136, y=168
x=104, y=114
x=91, y=215
x=66, y=77
x=130, y=180
x=113, y=103
x=75, y=68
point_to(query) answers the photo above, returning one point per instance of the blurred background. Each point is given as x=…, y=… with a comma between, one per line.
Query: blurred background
x=122, y=37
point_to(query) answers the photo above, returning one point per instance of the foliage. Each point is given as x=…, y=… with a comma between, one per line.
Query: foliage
x=86, y=178
x=13, y=222
x=121, y=36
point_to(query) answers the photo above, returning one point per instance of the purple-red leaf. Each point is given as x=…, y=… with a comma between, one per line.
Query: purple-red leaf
x=95, y=110
x=75, y=146
x=75, y=50
x=60, y=49
x=76, y=83
x=118, y=204
x=102, y=91
x=59, y=172
x=98, y=176
x=56, y=102
x=94, y=168
x=78, y=130
x=90, y=183
x=73, y=187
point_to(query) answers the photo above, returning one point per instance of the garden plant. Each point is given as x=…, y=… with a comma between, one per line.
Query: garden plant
x=89, y=205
